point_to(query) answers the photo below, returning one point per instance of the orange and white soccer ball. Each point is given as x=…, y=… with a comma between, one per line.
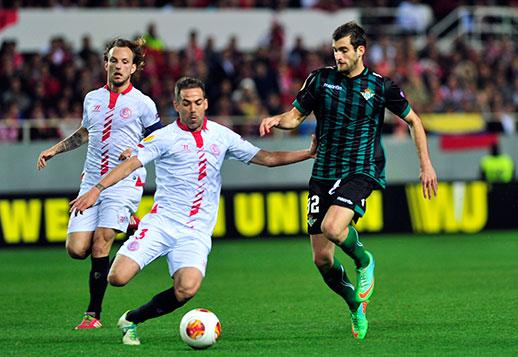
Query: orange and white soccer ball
x=200, y=328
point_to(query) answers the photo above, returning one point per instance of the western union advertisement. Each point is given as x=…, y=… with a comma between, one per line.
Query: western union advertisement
x=460, y=207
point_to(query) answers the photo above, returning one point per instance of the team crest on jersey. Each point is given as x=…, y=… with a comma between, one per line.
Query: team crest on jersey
x=125, y=113
x=215, y=149
x=367, y=93
x=148, y=138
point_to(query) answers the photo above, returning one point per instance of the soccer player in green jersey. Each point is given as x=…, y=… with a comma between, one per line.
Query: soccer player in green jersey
x=349, y=101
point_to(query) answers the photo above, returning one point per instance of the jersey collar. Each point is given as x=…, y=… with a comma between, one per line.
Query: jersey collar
x=126, y=91
x=186, y=128
x=363, y=73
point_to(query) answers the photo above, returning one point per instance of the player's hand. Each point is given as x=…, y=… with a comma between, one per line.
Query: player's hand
x=126, y=154
x=429, y=181
x=87, y=200
x=44, y=157
x=267, y=124
x=313, y=147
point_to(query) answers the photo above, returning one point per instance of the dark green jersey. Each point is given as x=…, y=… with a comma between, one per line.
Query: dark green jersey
x=350, y=114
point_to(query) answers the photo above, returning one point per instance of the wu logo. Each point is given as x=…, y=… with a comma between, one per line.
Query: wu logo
x=367, y=93
x=96, y=108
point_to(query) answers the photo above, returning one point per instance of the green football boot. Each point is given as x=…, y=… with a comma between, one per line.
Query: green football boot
x=365, y=280
x=359, y=321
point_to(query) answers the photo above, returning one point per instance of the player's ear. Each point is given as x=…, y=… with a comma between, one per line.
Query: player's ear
x=361, y=50
x=205, y=104
x=106, y=66
x=133, y=68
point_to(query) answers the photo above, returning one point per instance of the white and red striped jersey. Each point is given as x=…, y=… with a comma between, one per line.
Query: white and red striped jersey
x=114, y=122
x=188, y=164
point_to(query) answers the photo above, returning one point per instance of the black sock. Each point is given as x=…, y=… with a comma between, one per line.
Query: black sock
x=161, y=304
x=98, y=283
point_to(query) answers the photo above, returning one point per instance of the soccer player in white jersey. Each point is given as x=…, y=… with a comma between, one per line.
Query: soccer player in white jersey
x=115, y=117
x=188, y=155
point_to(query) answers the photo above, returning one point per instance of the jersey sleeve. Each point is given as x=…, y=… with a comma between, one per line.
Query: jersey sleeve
x=150, y=114
x=85, y=122
x=395, y=100
x=239, y=149
x=306, y=98
x=152, y=147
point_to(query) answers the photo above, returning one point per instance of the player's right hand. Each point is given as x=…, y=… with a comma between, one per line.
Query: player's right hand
x=126, y=154
x=85, y=201
x=267, y=124
x=44, y=157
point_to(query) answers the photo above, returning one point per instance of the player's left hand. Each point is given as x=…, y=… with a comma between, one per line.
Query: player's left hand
x=267, y=124
x=87, y=200
x=313, y=147
x=126, y=154
x=429, y=181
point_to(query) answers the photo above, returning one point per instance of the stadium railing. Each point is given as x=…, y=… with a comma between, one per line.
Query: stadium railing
x=473, y=23
x=445, y=123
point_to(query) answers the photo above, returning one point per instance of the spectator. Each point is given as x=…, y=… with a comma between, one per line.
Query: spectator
x=193, y=51
x=497, y=167
x=41, y=129
x=414, y=17
x=16, y=94
x=153, y=41
x=10, y=129
x=87, y=51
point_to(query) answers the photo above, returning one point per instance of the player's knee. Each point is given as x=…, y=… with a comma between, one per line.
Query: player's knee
x=116, y=279
x=186, y=291
x=77, y=252
x=332, y=231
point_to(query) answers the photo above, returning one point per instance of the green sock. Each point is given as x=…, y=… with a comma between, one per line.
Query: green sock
x=354, y=248
x=337, y=280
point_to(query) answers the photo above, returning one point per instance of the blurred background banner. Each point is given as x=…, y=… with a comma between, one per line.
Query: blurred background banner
x=462, y=207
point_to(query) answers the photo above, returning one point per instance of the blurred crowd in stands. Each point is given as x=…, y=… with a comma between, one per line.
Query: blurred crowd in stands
x=52, y=84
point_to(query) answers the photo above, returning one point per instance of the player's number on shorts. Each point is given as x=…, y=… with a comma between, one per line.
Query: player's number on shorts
x=313, y=202
x=142, y=234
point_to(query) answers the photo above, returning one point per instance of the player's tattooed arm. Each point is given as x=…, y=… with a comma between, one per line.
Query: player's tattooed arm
x=78, y=138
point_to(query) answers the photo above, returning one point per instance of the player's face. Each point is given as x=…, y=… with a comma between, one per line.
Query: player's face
x=346, y=57
x=191, y=105
x=120, y=66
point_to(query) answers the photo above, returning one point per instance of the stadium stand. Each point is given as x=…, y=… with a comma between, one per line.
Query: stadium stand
x=47, y=87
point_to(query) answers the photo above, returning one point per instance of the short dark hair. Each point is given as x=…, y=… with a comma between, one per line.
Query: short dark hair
x=187, y=83
x=351, y=28
x=137, y=47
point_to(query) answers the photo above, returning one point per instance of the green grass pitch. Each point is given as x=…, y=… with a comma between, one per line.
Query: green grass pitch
x=435, y=295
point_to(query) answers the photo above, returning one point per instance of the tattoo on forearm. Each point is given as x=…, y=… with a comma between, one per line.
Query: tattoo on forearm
x=72, y=142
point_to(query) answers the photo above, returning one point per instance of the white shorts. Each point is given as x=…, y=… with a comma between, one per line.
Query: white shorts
x=158, y=235
x=112, y=210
